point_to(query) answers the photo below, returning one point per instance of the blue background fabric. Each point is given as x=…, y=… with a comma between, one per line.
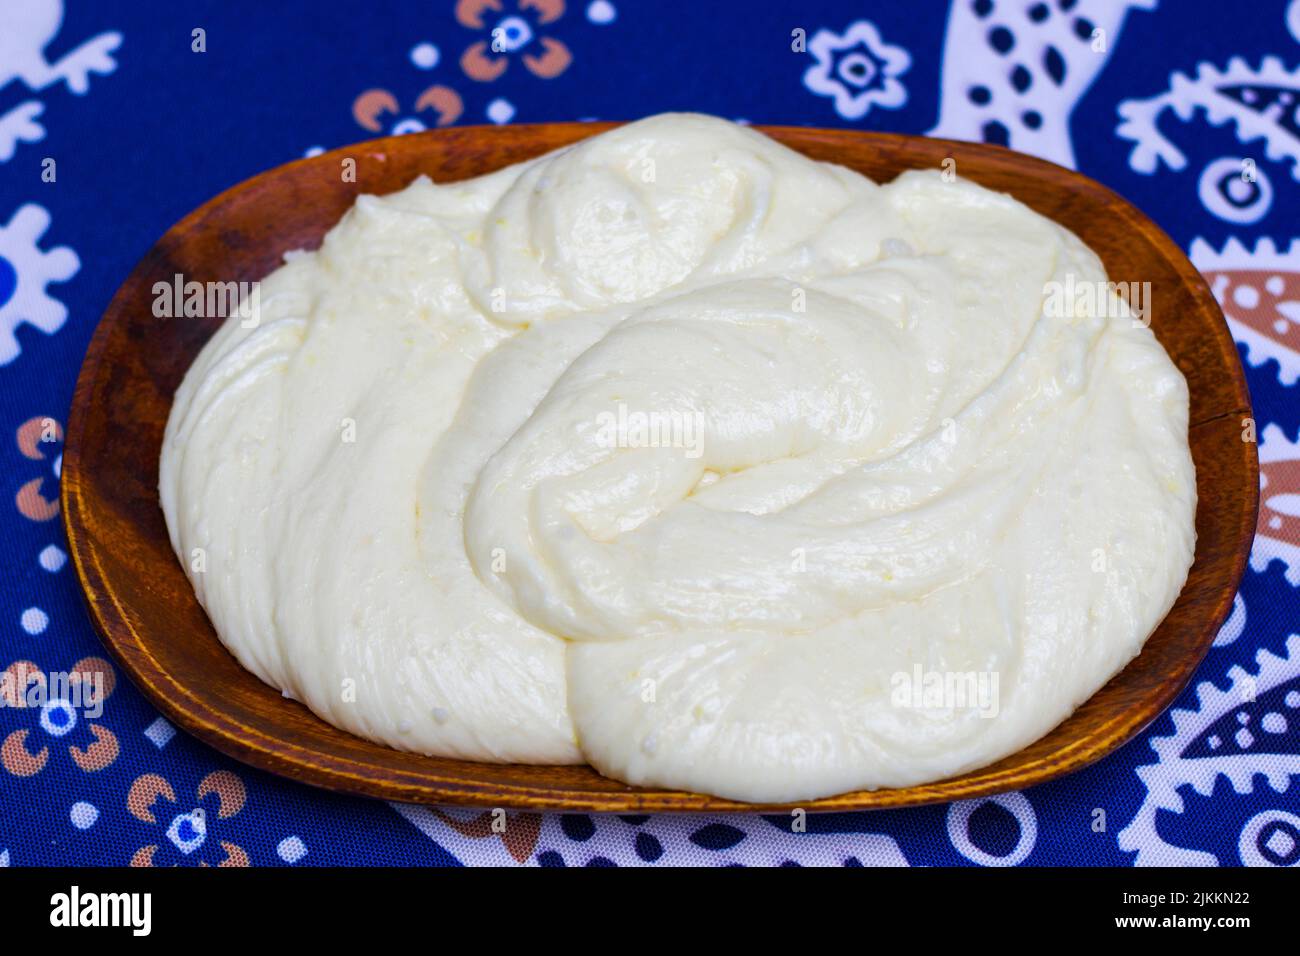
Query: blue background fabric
x=1163, y=100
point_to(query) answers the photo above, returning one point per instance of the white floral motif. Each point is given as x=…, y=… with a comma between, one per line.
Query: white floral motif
x=25, y=270
x=26, y=28
x=858, y=69
x=1013, y=73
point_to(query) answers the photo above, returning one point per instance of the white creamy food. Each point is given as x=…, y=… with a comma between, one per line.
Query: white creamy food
x=671, y=452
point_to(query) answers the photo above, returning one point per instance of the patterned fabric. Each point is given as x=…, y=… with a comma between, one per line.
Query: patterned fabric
x=116, y=118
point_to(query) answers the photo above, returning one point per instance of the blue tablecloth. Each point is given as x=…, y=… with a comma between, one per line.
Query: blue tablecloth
x=117, y=118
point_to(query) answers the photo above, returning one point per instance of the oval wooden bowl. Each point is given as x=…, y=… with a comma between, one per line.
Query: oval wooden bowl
x=144, y=608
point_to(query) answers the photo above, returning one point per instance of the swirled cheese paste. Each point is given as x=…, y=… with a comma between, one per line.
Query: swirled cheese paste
x=682, y=454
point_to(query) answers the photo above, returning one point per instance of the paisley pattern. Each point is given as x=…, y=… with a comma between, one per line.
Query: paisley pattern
x=1259, y=105
x=1205, y=137
x=1014, y=72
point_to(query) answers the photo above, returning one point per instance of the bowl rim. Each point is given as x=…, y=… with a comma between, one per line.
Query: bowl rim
x=252, y=746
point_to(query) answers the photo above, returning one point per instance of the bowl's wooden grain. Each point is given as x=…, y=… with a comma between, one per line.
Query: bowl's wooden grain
x=144, y=608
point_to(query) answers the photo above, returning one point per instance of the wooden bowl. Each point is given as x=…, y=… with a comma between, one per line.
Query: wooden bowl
x=146, y=612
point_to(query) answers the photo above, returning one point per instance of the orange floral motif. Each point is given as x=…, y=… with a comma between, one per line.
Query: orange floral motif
x=187, y=832
x=516, y=32
x=39, y=439
x=436, y=106
x=60, y=703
